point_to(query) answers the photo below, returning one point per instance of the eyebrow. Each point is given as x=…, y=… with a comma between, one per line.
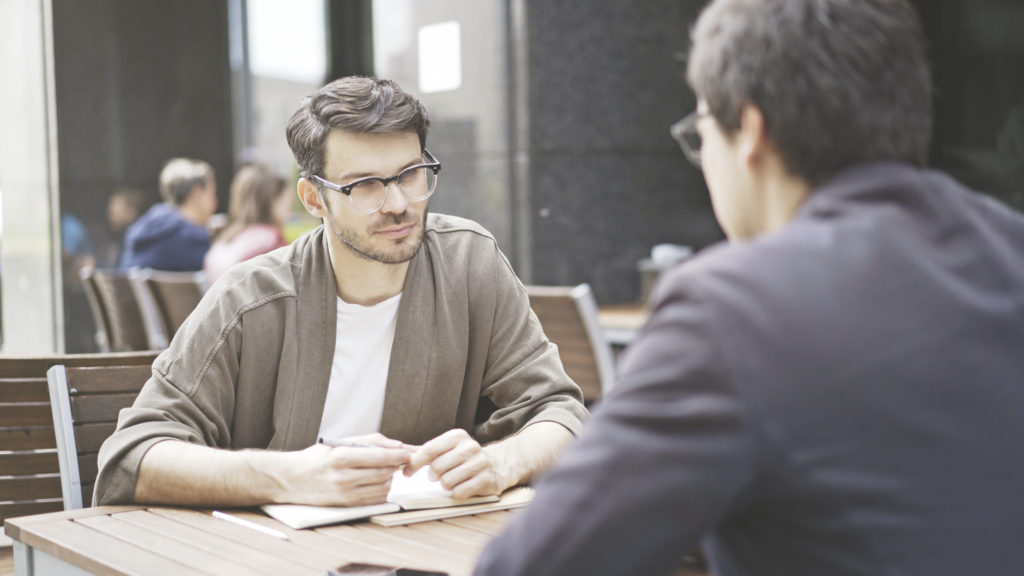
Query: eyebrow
x=352, y=176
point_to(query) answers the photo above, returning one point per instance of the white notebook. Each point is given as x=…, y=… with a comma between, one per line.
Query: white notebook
x=414, y=492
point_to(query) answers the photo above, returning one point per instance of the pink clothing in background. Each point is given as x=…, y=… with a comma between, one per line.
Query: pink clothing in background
x=254, y=240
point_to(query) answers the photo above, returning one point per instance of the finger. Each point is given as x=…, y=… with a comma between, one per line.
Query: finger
x=454, y=458
x=434, y=448
x=375, y=439
x=464, y=472
x=369, y=457
x=483, y=484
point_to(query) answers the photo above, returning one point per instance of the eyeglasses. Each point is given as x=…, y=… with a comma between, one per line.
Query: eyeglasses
x=369, y=194
x=685, y=132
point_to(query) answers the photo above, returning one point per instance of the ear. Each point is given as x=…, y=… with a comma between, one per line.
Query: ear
x=752, y=140
x=310, y=198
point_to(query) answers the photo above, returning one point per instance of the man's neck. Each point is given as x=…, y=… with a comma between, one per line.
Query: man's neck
x=785, y=196
x=193, y=214
x=780, y=194
x=363, y=281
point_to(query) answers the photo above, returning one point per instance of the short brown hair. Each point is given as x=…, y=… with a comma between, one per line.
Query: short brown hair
x=838, y=81
x=356, y=104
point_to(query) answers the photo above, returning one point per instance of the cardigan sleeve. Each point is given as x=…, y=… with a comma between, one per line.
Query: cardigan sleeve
x=524, y=379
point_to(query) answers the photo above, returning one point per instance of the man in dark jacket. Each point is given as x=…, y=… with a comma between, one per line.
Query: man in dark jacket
x=172, y=235
x=839, y=390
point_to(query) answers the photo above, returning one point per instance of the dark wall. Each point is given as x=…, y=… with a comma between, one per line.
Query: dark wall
x=977, y=55
x=137, y=82
x=608, y=182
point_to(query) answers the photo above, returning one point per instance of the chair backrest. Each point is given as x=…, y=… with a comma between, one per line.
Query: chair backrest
x=174, y=295
x=85, y=402
x=118, y=311
x=99, y=313
x=568, y=315
x=29, y=467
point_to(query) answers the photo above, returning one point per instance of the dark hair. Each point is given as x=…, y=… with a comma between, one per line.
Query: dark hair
x=254, y=190
x=180, y=175
x=838, y=81
x=355, y=104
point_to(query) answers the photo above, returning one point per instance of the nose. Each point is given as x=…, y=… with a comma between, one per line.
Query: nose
x=394, y=199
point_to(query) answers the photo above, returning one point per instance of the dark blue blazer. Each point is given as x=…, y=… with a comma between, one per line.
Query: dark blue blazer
x=843, y=397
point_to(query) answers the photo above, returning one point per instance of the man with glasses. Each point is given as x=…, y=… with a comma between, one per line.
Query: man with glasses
x=838, y=391
x=401, y=339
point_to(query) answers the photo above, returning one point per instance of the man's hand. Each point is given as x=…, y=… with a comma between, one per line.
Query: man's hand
x=346, y=475
x=461, y=465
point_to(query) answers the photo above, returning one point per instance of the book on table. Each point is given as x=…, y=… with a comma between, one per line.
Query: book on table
x=411, y=493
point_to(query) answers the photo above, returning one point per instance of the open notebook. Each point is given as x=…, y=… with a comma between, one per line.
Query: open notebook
x=416, y=492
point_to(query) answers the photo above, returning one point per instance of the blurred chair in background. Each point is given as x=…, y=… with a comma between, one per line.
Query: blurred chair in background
x=116, y=311
x=165, y=300
x=568, y=315
x=140, y=309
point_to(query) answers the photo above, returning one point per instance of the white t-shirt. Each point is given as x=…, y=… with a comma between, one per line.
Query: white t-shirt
x=359, y=374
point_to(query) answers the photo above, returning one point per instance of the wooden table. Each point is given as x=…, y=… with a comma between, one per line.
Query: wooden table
x=149, y=540
x=621, y=322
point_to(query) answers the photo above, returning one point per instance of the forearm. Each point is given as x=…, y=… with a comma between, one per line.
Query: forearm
x=175, y=472
x=521, y=457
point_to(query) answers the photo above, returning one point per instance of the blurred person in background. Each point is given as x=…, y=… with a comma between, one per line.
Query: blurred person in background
x=838, y=390
x=123, y=208
x=259, y=208
x=172, y=235
x=76, y=254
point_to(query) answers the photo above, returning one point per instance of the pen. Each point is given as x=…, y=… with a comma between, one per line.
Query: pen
x=342, y=443
x=248, y=524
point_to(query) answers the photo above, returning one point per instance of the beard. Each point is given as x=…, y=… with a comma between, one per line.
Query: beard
x=397, y=252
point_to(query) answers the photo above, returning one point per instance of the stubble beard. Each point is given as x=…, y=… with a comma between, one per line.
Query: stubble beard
x=361, y=246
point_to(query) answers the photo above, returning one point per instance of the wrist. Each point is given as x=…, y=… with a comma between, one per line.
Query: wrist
x=274, y=471
x=505, y=465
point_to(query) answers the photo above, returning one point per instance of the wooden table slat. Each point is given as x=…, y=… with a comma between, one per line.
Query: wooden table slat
x=381, y=552
x=92, y=551
x=253, y=548
x=121, y=540
x=485, y=525
x=328, y=538
x=457, y=547
x=458, y=533
x=413, y=546
x=203, y=520
x=168, y=546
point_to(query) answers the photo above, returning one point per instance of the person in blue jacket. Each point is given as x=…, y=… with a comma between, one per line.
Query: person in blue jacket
x=172, y=235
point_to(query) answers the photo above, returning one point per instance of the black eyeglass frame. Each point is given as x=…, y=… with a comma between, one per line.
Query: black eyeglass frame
x=346, y=189
x=688, y=127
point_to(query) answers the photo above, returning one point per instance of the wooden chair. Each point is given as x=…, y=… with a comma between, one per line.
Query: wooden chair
x=568, y=315
x=173, y=296
x=85, y=402
x=117, y=312
x=30, y=480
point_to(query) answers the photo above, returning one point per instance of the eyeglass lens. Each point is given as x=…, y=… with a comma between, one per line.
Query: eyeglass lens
x=415, y=183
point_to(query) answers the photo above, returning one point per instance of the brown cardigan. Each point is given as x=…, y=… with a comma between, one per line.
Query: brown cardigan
x=250, y=367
